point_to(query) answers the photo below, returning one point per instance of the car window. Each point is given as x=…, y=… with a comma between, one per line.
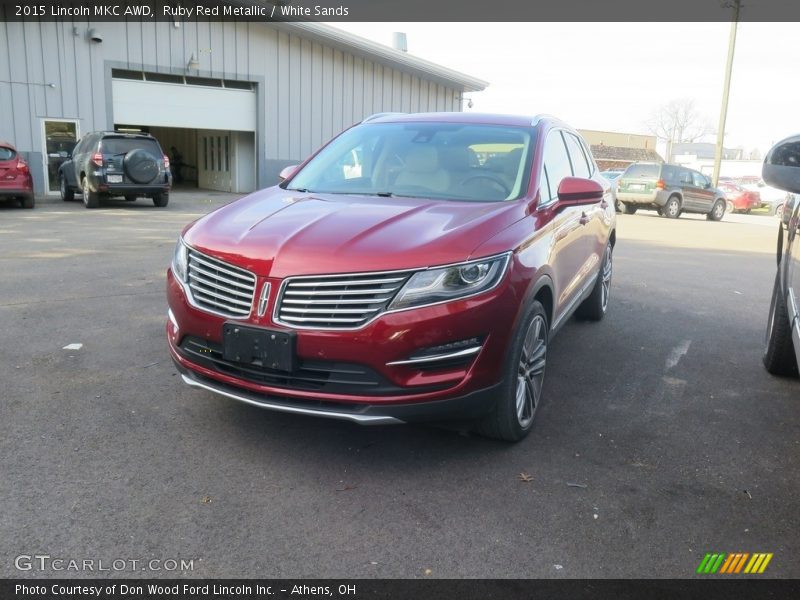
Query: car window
x=6, y=153
x=580, y=168
x=448, y=161
x=699, y=179
x=556, y=165
x=685, y=176
x=121, y=145
x=642, y=171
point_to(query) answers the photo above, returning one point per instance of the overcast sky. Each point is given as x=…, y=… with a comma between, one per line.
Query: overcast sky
x=613, y=76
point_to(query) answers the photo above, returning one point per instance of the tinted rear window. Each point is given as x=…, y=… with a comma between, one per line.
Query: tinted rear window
x=642, y=172
x=6, y=153
x=125, y=145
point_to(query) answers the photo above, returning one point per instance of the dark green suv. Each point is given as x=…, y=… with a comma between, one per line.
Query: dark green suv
x=670, y=190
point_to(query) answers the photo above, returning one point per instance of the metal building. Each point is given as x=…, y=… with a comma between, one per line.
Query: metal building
x=239, y=100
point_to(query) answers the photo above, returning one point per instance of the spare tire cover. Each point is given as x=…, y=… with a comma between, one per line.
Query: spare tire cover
x=140, y=166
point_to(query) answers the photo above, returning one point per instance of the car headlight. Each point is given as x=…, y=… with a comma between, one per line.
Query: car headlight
x=180, y=261
x=450, y=283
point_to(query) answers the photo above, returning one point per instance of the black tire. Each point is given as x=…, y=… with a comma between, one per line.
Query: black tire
x=140, y=166
x=27, y=201
x=161, y=200
x=595, y=306
x=779, y=357
x=717, y=211
x=90, y=199
x=629, y=209
x=130, y=197
x=67, y=193
x=672, y=209
x=512, y=419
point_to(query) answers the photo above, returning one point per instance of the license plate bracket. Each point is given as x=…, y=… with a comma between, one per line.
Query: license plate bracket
x=259, y=347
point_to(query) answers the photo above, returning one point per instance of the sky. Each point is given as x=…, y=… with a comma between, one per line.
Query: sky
x=614, y=76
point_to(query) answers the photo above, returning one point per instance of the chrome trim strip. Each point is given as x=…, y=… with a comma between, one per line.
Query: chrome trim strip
x=199, y=257
x=221, y=278
x=339, y=292
x=329, y=311
x=201, y=290
x=328, y=283
x=436, y=357
x=356, y=418
x=216, y=286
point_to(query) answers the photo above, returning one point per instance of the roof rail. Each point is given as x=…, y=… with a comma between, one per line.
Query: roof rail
x=379, y=115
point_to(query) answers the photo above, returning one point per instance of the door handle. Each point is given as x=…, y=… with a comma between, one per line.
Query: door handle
x=584, y=219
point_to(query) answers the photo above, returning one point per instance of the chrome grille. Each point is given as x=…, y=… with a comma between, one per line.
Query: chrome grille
x=219, y=287
x=337, y=301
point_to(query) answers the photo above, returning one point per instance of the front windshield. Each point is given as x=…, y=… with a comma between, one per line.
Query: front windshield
x=450, y=161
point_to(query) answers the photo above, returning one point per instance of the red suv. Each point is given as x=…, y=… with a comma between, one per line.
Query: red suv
x=415, y=268
x=15, y=176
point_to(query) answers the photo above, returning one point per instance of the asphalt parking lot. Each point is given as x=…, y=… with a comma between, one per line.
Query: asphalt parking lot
x=661, y=436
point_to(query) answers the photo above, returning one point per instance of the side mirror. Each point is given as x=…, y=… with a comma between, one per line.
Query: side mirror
x=287, y=172
x=577, y=191
x=782, y=165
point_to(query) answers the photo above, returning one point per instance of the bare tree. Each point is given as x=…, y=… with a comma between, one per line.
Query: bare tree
x=679, y=121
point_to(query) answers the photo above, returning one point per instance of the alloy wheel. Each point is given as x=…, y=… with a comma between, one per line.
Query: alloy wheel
x=530, y=375
x=606, y=281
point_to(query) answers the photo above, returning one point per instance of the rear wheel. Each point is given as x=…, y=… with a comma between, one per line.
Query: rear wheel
x=161, y=200
x=67, y=195
x=629, y=209
x=717, y=211
x=779, y=357
x=672, y=209
x=779, y=211
x=130, y=197
x=730, y=207
x=520, y=396
x=27, y=201
x=90, y=199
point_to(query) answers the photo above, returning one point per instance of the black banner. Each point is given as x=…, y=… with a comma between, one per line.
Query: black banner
x=403, y=10
x=383, y=589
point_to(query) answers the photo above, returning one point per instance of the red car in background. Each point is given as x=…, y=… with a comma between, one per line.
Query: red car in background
x=738, y=198
x=15, y=176
x=420, y=283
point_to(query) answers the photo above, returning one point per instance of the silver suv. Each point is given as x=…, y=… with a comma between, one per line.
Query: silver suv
x=670, y=190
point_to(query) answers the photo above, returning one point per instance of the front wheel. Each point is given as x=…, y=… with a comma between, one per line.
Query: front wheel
x=717, y=211
x=779, y=357
x=730, y=207
x=521, y=392
x=595, y=306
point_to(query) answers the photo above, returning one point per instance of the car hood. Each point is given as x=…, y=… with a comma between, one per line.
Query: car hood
x=279, y=233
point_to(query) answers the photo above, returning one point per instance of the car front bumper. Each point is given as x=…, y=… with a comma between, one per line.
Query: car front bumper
x=387, y=384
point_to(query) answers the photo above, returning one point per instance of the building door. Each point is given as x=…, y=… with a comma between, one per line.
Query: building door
x=60, y=137
x=214, y=152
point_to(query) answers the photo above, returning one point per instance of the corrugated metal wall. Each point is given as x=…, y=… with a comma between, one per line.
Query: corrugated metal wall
x=307, y=91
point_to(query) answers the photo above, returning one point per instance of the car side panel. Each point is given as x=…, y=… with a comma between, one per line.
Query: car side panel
x=791, y=287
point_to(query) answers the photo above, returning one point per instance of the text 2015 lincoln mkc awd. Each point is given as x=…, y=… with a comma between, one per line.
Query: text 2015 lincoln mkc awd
x=415, y=268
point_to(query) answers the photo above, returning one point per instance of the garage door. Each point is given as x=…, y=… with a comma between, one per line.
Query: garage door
x=190, y=102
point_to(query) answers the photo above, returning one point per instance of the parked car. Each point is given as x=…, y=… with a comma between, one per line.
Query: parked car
x=771, y=197
x=781, y=170
x=427, y=287
x=739, y=199
x=108, y=163
x=15, y=176
x=669, y=189
x=613, y=179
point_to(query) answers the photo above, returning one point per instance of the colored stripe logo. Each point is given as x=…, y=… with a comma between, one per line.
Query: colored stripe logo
x=735, y=563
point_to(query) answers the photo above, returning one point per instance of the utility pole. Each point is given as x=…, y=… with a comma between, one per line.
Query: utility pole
x=723, y=113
